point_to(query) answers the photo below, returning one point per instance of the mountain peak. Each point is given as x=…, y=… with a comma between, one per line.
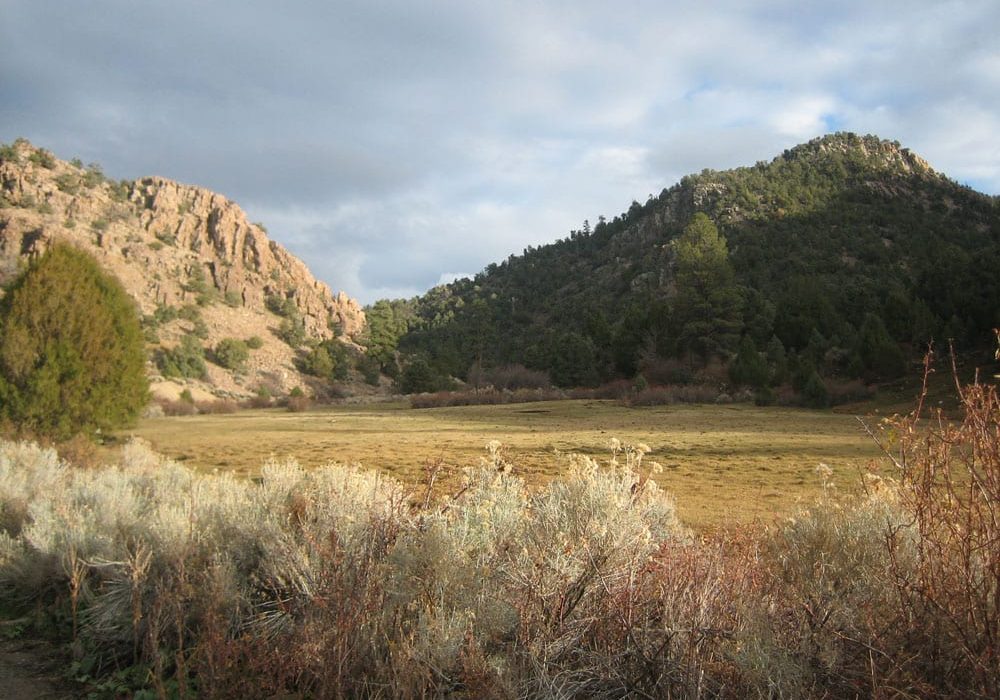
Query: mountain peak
x=867, y=150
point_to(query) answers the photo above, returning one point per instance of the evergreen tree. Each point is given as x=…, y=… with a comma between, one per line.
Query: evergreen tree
x=749, y=368
x=814, y=392
x=72, y=358
x=707, y=305
x=777, y=360
x=880, y=355
x=419, y=377
x=572, y=362
x=318, y=363
x=384, y=331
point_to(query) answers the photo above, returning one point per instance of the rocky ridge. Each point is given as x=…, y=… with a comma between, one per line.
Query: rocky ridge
x=173, y=245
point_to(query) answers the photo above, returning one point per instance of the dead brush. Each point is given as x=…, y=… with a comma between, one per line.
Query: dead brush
x=950, y=592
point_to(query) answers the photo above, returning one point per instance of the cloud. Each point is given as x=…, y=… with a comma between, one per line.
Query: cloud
x=387, y=143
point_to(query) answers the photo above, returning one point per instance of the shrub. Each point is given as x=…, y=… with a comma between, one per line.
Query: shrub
x=188, y=312
x=370, y=369
x=261, y=399
x=72, y=357
x=162, y=314
x=231, y=353
x=217, y=406
x=666, y=395
x=281, y=305
x=515, y=376
x=949, y=619
x=292, y=331
x=331, y=582
x=328, y=360
x=318, y=363
x=8, y=153
x=617, y=389
x=489, y=397
x=166, y=238
x=847, y=391
x=765, y=396
x=749, y=368
x=298, y=404
x=179, y=407
x=199, y=329
x=43, y=158
x=419, y=377
x=68, y=183
x=814, y=392
x=660, y=371
x=254, y=342
x=93, y=176
x=439, y=399
x=205, y=291
x=186, y=360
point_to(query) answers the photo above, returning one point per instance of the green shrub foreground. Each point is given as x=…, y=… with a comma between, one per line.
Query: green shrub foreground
x=72, y=358
x=337, y=582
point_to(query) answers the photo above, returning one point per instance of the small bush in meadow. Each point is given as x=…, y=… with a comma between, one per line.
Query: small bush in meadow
x=177, y=407
x=667, y=395
x=512, y=377
x=218, y=406
x=262, y=398
x=297, y=400
x=618, y=389
x=484, y=397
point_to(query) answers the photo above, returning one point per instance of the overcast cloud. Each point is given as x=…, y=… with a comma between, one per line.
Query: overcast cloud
x=396, y=145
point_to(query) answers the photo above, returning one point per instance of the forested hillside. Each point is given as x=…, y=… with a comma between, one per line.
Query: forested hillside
x=843, y=256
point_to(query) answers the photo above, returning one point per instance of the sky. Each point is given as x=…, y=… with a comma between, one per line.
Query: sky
x=395, y=145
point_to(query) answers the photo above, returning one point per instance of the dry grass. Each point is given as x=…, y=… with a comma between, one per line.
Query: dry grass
x=725, y=464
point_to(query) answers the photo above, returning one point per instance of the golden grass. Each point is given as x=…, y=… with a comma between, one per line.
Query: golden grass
x=724, y=464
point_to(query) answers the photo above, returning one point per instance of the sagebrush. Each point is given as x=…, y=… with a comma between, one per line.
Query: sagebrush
x=340, y=582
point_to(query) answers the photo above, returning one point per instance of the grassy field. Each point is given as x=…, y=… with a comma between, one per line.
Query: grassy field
x=724, y=464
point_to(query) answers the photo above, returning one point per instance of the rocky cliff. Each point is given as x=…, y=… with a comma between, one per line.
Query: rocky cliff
x=173, y=246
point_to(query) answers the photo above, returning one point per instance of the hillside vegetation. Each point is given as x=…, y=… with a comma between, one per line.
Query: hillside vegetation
x=840, y=258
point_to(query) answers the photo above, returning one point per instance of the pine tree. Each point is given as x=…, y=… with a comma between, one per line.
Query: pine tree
x=749, y=368
x=707, y=307
x=72, y=357
x=881, y=355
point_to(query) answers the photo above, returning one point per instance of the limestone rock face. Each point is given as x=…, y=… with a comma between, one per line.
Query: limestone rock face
x=169, y=244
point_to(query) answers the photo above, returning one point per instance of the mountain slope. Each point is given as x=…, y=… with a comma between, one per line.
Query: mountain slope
x=820, y=238
x=188, y=256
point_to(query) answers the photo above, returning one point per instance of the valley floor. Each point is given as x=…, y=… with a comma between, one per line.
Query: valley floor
x=724, y=464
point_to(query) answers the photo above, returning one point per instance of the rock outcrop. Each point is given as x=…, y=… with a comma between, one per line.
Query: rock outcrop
x=172, y=245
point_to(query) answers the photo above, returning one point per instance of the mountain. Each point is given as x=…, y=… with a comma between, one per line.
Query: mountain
x=848, y=254
x=199, y=271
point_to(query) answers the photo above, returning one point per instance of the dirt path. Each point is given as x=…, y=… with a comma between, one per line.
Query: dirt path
x=31, y=670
